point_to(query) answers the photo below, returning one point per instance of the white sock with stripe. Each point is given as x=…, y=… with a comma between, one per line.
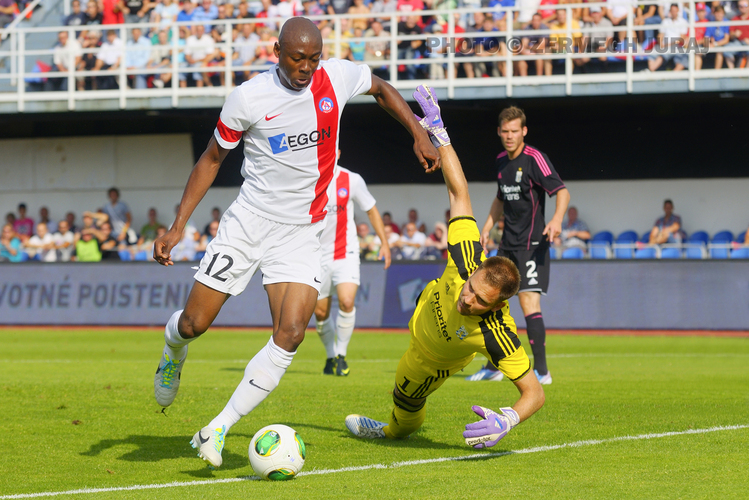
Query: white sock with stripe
x=176, y=345
x=326, y=331
x=261, y=377
x=345, y=326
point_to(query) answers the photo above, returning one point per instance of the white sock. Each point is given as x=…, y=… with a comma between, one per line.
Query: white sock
x=261, y=377
x=345, y=326
x=326, y=331
x=176, y=345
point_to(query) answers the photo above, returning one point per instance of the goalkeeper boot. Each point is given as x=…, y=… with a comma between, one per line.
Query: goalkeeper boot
x=365, y=427
x=330, y=366
x=210, y=443
x=166, y=380
x=341, y=368
x=543, y=379
x=486, y=373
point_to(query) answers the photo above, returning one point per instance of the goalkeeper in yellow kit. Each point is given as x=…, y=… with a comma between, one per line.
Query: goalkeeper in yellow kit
x=462, y=313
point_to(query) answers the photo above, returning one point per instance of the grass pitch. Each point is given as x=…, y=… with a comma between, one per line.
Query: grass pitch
x=79, y=413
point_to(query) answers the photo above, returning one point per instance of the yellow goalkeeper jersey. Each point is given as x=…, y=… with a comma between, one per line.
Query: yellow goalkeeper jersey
x=447, y=338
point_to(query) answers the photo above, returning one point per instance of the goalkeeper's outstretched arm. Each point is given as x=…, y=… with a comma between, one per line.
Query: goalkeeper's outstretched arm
x=455, y=180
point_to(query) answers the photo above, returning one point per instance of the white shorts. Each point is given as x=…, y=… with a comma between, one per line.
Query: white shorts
x=335, y=272
x=246, y=242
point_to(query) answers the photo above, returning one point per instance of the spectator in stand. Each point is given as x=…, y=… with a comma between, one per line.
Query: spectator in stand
x=359, y=8
x=187, y=247
x=165, y=13
x=410, y=7
x=285, y=9
x=617, y=10
x=393, y=241
x=42, y=244
x=161, y=59
x=243, y=11
x=558, y=42
x=357, y=48
x=533, y=44
x=718, y=36
x=366, y=241
x=338, y=6
x=64, y=240
x=10, y=245
x=109, y=57
x=119, y=216
x=93, y=14
x=199, y=49
x=215, y=60
x=10, y=218
x=70, y=217
x=413, y=218
x=411, y=242
x=378, y=50
x=7, y=12
x=674, y=32
x=740, y=34
x=225, y=13
x=490, y=45
x=436, y=244
x=23, y=227
x=495, y=237
x=206, y=11
x=136, y=57
x=87, y=246
x=44, y=217
x=264, y=54
x=598, y=41
x=87, y=62
x=313, y=8
x=407, y=48
x=667, y=229
x=209, y=235
x=138, y=11
x=526, y=9
x=187, y=13
x=65, y=55
x=384, y=7
x=107, y=243
x=215, y=217
x=112, y=11
x=575, y=232
x=75, y=18
x=148, y=231
x=245, y=46
x=387, y=220
x=699, y=33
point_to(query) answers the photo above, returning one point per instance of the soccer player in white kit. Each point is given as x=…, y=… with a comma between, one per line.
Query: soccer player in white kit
x=341, y=265
x=289, y=119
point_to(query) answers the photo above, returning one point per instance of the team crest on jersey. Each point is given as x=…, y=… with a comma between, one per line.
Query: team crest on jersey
x=325, y=104
x=342, y=193
x=519, y=175
x=461, y=333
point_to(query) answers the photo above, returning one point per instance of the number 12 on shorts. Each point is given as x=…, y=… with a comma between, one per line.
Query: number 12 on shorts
x=229, y=263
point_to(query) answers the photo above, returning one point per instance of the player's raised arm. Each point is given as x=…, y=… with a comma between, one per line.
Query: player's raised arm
x=452, y=171
x=202, y=176
x=389, y=99
x=376, y=220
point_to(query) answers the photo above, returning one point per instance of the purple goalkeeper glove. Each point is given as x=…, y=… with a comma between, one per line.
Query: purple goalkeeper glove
x=494, y=426
x=432, y=121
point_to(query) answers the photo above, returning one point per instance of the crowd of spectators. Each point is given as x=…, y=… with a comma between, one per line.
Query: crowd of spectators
x=201, y=57
x=106, y=235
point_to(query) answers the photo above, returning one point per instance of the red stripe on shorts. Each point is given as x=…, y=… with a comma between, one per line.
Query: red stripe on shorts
x=342, y=193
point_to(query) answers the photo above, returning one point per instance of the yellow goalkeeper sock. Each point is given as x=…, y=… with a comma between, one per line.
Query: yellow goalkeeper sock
x=403, y=423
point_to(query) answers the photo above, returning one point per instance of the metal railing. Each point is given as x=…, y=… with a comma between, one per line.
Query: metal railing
x=448, y=64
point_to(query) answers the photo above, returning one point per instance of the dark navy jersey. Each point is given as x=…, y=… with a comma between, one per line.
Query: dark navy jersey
x=523, y=185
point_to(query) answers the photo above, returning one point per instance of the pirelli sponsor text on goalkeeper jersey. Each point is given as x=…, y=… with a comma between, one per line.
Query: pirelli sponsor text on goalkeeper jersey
x=445, y=336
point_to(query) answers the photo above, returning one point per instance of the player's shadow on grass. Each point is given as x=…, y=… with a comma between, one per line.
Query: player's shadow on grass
x=157, y=448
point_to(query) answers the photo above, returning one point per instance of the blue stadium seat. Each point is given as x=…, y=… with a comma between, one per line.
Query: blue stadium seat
x=573, y=253
x=623, y=253
x=698, y=237
x=723, y=237
x=720, y=253
x=199, y=255
x=671, y=253
x=741, y=237
x=598, y=251
x=694, y=252
x=740, y=253
x=142, y=255
x=645, y=238
x=553, y=253
x=627, y=237
x=646, y=253
x=603, y=237
x=125, y=255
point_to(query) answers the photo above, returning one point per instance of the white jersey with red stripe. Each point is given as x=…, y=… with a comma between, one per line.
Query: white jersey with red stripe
x=339, y=238
x=290, y=138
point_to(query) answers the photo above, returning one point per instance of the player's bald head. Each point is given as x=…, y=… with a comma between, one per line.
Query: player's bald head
x=299, y=30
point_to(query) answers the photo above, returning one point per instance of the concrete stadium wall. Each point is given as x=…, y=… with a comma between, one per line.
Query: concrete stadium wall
x=74, y=173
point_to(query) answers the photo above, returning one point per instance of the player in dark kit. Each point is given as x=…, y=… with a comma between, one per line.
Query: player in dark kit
x=525, y=177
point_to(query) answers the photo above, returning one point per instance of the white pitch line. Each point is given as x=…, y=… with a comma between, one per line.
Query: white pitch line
x=394, y=465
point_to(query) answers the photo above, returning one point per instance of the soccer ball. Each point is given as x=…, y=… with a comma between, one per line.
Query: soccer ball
x=277, y=453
